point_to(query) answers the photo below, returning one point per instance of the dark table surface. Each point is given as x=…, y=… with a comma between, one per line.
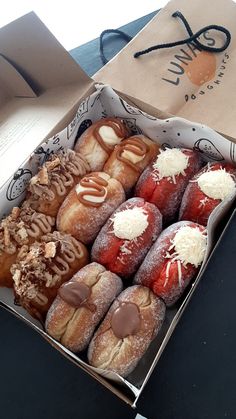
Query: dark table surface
x=194, y=379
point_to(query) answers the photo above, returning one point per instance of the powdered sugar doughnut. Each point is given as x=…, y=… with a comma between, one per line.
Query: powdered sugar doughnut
x=88, y=206
x=163, y=182
x=129, y=159
x=173, y=260
x=125, y=239
x=80, y=305
x=209, y=187
x=99, y=140
x=130, y=325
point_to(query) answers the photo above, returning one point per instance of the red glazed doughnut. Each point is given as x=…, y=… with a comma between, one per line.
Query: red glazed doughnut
x=127, y=236
x=209, y=187
x=164, y=181
x=173, y=260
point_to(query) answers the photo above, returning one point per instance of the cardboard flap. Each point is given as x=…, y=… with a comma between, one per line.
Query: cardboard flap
x=183, y=80
x=12, y=81
x=41, y=59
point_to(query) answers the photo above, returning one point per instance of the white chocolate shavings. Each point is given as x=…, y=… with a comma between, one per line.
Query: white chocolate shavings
x=109, y=135
x=170, y=163
x=132, y=157
x=216, y=184
x=189, y=245
x=130, y=223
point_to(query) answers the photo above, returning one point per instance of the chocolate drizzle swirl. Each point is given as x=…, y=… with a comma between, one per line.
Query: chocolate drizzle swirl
x=113, y=123
x=95, y=186
x=134, y=145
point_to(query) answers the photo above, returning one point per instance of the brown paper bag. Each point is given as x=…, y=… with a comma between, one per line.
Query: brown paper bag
x=184, y=81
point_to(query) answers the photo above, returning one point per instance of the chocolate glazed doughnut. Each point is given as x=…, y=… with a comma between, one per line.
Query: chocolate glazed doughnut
x=99, y=140
x=80, y=305
x=132, y=322
x=130, y=158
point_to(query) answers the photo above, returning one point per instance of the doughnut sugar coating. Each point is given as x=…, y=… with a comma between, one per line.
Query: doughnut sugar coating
x=173, y=260
x=129, y=159
x=80, y=305
x=214, y=183
x=125, y=239
x=164, y=181
x=88, y=206
x=98, y=141
x=132, y=322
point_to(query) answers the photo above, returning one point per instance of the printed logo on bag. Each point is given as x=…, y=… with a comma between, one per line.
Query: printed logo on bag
x=200, y=67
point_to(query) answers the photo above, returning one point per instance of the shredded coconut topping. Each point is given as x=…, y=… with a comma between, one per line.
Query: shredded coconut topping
x=130, y=223
x=216, y=184
x=170, y=163
x=189, y=246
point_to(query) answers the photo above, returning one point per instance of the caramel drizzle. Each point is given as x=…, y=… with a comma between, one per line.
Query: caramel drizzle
x=135, y=146
x=70, y=253
x=40, y=224
x=95, y=186
x=119, y=130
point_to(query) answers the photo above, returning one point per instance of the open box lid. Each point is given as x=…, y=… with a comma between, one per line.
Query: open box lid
x=40, y=85
x=172, y=80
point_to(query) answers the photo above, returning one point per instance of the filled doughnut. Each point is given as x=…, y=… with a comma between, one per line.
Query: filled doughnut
x=127, y=236
x=22, y=226
x=98, y=141
x=81, y=304
x=129, y=159
x=48, y=189
x=43, y=267
x=132, y=322
x=208, y=188
x=164, y=181
x=173, y=260
x=88, y=206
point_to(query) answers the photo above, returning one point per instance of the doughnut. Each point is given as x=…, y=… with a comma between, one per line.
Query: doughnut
x=88, y=206
x=129, y=159
x=98, y=141
x=22, y=226
x=127, y=236
x=132, y=322
x=48, y=189
x=173, y=260
x=81, y=304
x=164, y=181
x=208, y=188
x=42, y=267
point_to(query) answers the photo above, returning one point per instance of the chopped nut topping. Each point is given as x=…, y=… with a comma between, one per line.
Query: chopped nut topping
x=15, y=213
x=51, y=164
x=43, y=176
x=7, y=240
x=50, y=250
